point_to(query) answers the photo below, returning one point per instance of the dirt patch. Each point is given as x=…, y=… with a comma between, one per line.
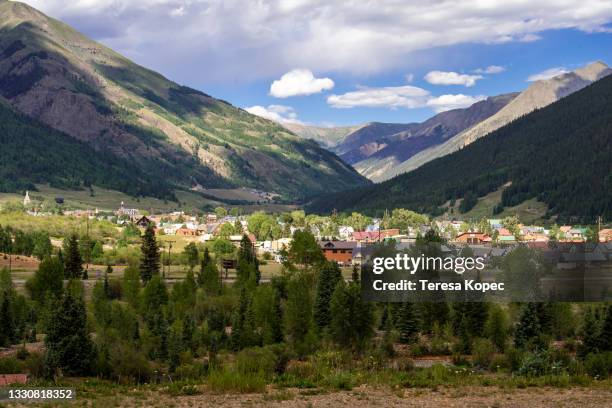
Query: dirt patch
x=19, y=262
x=367, y=396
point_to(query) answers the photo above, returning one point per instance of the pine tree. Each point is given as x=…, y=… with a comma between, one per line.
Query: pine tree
x=68, y=345
x=329, y=276
x=276, y=324
x=7, y=321
x=605, y=336
x=74, y=263
x=150, y=255
x=352, y=319
x=408, y=323
x=355, y=273
x=528, y=327
x=209, y=277
x=591, y=329
x=496, y=327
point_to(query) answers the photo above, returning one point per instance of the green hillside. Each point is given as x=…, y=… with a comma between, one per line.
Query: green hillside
x=34, y=153
x=560, y=155
x=54, y=74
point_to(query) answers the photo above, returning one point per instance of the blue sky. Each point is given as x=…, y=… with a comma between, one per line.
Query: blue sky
x=349, y=62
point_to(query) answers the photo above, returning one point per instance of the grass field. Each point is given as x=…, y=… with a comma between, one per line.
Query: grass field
x=110, y=200
x=528, y=211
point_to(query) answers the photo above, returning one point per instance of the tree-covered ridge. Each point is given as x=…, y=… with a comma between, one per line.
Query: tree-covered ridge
x=62, y=78
x=560, y=155
x=35, y=153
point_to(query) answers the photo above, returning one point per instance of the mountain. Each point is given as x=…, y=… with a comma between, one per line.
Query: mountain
x=537, y=95
x=367, y=140
x=179, y=137
x=34, y=153
x=560, y=155
x=327, y=137
x=399, y=147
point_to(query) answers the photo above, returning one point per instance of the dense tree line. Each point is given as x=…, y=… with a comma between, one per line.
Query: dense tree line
x=35, y=153
x=560, y=155
x=141, y=323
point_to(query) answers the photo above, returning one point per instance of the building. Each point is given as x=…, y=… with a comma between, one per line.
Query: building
x=473, y=238
x=338, y=251
x=605, y=235
x=26, y=199
x=374, y=236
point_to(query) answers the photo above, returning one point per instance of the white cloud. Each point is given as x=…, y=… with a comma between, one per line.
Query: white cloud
x=447, y=102
x=529, y=38
x=277, y=113
x=491, y=69
x=299, y=82
x=409, y=78
x=451, y=78
x=387, y=97
x=228, y=40
x=401, y=97
x=547, y=74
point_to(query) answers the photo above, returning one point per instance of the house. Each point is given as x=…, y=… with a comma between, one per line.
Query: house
x=374, y=236
x=186, y=232
x=237, y=239
x=505, y=236
x=605, y=235
x=345, y=232
x=576, y=235
x=338, y=251
x=473, y=238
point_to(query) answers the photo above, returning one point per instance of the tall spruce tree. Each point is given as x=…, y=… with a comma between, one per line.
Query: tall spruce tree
x=276, y=323
x=208, y=277
x=528, y=327
x=68, y=345
x=590, y=333
x=150, y=255
x=7, y=320
x=352, y=319
x=605, y=336
x=329, y=276
x=408, y=323
x=73, y=268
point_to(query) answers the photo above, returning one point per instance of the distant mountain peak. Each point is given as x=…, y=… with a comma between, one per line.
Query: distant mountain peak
x=593, y=71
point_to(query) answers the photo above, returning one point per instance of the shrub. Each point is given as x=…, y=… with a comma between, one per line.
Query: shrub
x=599, y=365
x=11, y=365
x=35, y=364
x=482, y=352
x=225, y=380
x=256, y=360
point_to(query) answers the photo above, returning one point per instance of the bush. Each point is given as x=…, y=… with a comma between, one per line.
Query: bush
x=11, y=365
x=256, y=360
x=225, y=380
x=35, y=364
x=599, y=365
x=482, y=352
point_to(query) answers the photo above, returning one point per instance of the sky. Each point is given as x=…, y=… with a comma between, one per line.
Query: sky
x=329, y=63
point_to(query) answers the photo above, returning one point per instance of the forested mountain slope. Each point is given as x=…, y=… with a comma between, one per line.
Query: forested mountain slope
x=52, y=73
x=560, y=154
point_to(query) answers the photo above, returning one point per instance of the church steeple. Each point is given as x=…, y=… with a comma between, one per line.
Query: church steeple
x=26, y=199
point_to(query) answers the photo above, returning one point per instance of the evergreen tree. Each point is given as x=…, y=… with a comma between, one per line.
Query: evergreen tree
x=191, y=255
x=329, y=276
x=528, y=327
x=73, y=268
x=68, y=345
x=150, y=255
x=408, y=323
x=7, y=322
x=276, y=323
x=591, y=330
x=605, y=336
x=209, y=277
x=355, y=273
x=352, y=319
x=496, y=327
